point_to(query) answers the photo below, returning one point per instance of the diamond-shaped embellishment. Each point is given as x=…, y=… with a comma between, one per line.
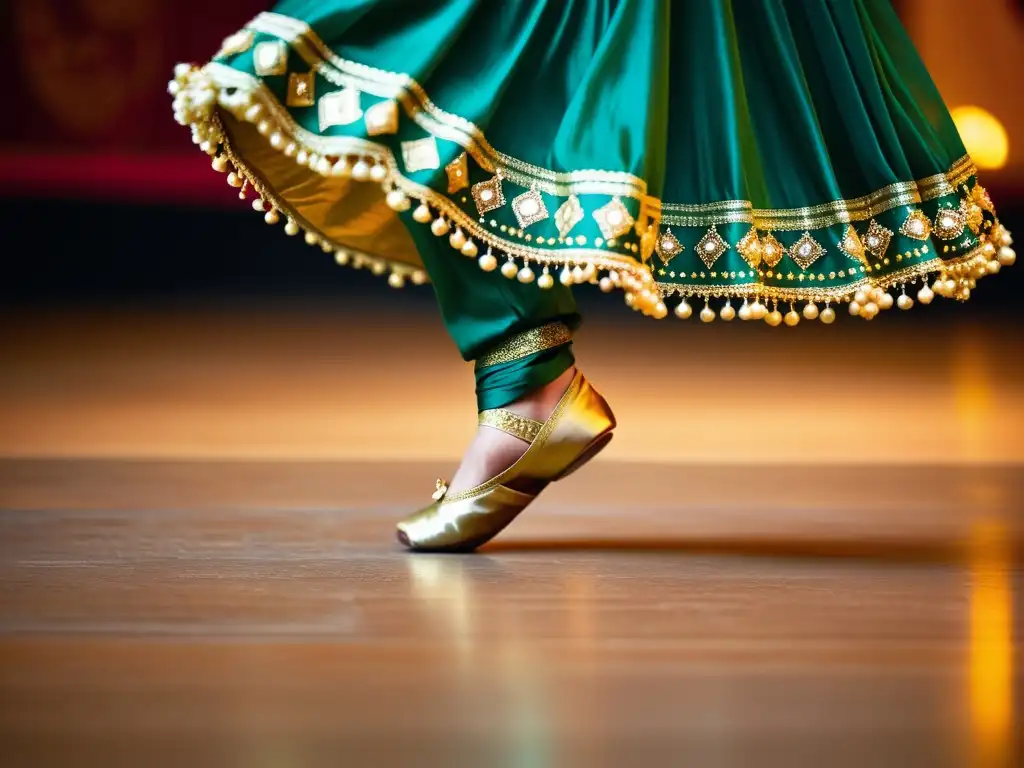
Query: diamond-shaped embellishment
x=421, y=155
x=851, y=244
x=806, y=250
x=772, y=250
x=240, y=42
x=488, y=195
x=949, y=223
x=876, y=239
x=339, y=108
x=300, y=90
x=613, y=219
x=668, y=246
x=458, y=174
x=568, y=215
x=529, y=208
x=916, y=226
x=270, y=58
x=751, y=248
x=382, y=118
x=711, y=246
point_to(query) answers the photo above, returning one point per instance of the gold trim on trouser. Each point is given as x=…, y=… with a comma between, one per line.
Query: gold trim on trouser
x=511, y=423
x=526, y=343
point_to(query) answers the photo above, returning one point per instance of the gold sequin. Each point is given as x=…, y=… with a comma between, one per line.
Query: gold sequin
x=527, y=343
x=916, y=226
x=806, y=251
x=877, y=239
x=382, y=118
x=458, y=175
x=529, y=208
x=488, y=195
x=301, y=90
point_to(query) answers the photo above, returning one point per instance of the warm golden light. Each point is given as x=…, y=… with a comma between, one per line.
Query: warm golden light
x=991, y=648
x=983, y=135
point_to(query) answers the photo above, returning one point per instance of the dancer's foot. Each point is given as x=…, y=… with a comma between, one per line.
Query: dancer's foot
x=493, y=451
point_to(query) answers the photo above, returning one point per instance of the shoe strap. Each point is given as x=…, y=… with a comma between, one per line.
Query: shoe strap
x=511, y=423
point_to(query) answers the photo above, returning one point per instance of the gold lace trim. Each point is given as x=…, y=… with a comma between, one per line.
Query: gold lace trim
x=522, y=427
x=527, y=343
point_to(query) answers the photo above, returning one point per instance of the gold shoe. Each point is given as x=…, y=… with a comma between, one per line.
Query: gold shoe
x=579, y=427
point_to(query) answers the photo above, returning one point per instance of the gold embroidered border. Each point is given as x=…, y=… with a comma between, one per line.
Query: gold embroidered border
x=526, y=343
x=430, y=117
x=522, y=427
x=444, y=125
x=835, y=293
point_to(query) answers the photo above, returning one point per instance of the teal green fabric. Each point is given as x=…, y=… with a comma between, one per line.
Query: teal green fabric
x=480, y=314
x=812, y=124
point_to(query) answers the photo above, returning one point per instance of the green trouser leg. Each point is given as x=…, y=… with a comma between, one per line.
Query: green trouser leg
x=518, y=334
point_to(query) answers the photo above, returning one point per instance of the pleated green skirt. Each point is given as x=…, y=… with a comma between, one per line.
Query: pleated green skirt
x=757, y=157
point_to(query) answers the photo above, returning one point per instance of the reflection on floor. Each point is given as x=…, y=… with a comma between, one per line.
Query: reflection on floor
x=198, y=568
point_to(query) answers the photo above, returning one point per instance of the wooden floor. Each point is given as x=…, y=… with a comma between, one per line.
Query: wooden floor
x=197, y=564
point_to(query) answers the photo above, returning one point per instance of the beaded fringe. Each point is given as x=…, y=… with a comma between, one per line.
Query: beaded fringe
x=197, y=98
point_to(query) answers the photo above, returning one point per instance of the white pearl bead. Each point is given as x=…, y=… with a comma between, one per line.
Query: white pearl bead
x=727, y=313
x=949, y=287
x=683, y=310
x=993, y=267
x=397, y=201
x=745, y=312
x=565, y=276
x=614, y=277
x=220, y=164
x=252, y=114
x=828, y=315
x=290, y=149
x=457, y=239
x=378, y=173
x=276, y=140
x=525, y=275
x=291, y=228
x=855, y=308
x=660, y=310
x=439, y=226
x=342, y=258
x=311, y=239
x=861, y=297
x=361, y=170
x=869, y=310
x=341, y=168
x=606, y=285
x=773, y=318
x=258, y=205
x=630, y=300
x=378, y=268
x=792, y=318
x=925, y=295
x=707, y=315
x=302, y=158
x=1007, y=256
x=545, y=281
x=509, y=269
x=264, y=127
x=395, y=280
x=904, y=302
x=469, y=249
x=422, y=214
x=811, y=311
x=577, y=274
x=589, y=271
x=886, y=301
x=272, y=217
x=487, y=262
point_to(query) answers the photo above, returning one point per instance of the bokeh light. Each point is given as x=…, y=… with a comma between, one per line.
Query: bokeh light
x=983, y=135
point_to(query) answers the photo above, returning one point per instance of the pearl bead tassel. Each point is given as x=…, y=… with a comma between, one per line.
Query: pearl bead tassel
x=828, y=315
x=707, y=314
x=469, y=249
x=487, y=262
x=439, y=226
x=457, y=239
x=395, y=280
x=727, y=313
x=525, y=275
x=683, y=310
x=361, y=170
x=811, y=311
x=422, y=214
x=509, y=269
x=545, y=281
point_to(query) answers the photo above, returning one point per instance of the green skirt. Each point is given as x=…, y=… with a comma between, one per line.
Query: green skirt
x=760, y=157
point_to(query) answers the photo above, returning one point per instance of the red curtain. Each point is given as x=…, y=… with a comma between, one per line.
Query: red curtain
x=88, y=110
